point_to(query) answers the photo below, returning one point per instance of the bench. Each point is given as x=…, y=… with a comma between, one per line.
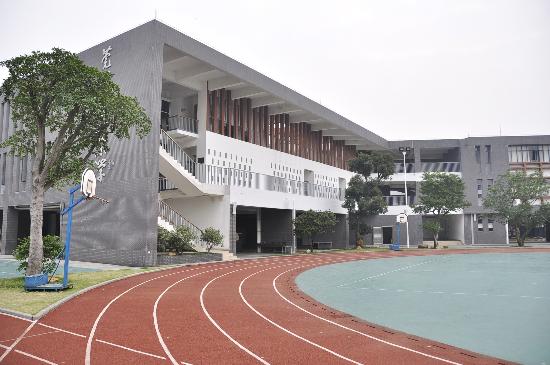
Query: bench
x=285, y=247
x=322, y=245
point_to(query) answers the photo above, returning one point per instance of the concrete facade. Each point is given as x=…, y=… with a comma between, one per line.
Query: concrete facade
x=227, y=141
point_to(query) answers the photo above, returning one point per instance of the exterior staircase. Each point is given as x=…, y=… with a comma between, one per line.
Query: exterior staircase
x=170, y=219
x=180, y=168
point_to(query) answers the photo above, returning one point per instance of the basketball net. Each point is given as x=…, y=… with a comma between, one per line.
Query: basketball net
x=101, y=200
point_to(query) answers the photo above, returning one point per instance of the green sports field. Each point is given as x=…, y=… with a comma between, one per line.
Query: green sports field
x=494, y=304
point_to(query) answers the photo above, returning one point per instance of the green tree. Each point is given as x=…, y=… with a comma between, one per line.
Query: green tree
x=212, y=237
x=363, y=195
x=63, y=112
x=440, y=195
x=52, y=248
x=516, y=199
x=311, y=223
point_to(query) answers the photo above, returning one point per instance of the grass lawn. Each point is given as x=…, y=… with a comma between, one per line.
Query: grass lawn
x=14, y=297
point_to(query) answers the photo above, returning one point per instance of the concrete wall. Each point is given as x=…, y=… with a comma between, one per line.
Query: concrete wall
x=415, y=229
x=206, y=211
x=125, y=230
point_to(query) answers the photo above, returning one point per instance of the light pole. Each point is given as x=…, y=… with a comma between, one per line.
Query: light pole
x=404, y=151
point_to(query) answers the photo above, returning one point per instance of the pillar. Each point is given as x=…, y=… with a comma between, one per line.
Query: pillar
x=202, y=116
x=293, y=235
x=258, y=226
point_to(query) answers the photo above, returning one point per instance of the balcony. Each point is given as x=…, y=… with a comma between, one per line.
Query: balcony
x=399, y=168
x=398, y=200
x=180, y=123
x=440, y=166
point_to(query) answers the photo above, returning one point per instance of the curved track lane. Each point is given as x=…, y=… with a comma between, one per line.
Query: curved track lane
x=240, y=312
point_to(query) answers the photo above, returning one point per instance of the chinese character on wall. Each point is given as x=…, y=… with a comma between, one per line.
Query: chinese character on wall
x=107, y=57
x=102, y=164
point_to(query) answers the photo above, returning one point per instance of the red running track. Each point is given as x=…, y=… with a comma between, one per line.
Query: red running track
x=239, y=312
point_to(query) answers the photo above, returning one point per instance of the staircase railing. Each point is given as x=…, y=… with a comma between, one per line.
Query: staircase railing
x=180, y=122
x=177, y=153
x=177, y=220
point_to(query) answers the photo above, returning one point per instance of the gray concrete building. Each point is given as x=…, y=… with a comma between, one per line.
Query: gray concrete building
x=233, y=149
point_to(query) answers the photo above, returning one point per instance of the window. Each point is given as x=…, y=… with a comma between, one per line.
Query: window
x=479, y=188
x=24, y=169
x=4, y=169
x=490, y=224
x=478, y=154
x=164, y=113
x=488, y=152
x=490, y=183
x=480, y=224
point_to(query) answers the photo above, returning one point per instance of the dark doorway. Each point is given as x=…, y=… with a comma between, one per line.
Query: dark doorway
x=50, y=226
x=246, y=231
x=387, y=233
x=547, y=232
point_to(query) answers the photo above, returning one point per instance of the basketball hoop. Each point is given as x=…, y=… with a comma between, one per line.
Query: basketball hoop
x=88, y=184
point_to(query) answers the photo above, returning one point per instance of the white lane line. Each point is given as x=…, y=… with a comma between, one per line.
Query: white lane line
x=38, y=334
x=274, y=283
x=6, y=353
x=155, y=318
x=61, y=330
x=30, y=355
x=87, y=359
x=131, y=349
x=239, y=345
x=384, y=273
x=219, y=327
x=285, y=329
x=243, y=267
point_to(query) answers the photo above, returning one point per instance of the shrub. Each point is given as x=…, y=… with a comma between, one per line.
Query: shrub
x=163, y=239
x=52, y=248
x=212, y=237
x=179, y=240
x=182, y=240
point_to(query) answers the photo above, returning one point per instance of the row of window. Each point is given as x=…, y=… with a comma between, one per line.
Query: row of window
x=529, y=153
x=518, y=153
x=481, y=224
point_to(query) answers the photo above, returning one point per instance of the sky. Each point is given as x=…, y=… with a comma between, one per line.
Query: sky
x=403, y=69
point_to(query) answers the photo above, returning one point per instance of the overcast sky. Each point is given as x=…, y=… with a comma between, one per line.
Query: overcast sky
x=402, y=69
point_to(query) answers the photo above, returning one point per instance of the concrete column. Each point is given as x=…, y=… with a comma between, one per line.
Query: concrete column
x=233, y=228
x=292, y=233
x=258, y=225
x=9, y=230
x=202, y=116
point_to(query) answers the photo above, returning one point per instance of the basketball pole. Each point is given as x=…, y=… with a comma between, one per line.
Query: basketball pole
x=69, y=210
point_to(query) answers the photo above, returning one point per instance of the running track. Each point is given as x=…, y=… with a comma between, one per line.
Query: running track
x=239, y=312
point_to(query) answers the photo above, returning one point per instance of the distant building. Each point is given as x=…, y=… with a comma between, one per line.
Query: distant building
x=233, y=149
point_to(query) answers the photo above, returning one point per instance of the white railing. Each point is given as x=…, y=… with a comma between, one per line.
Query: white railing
x=180, y=122
x=399, y=168
x=165, y=184
x=177, y=220
x=177, y=153
x=397, y=200
x=441, y=166
x=232, y=177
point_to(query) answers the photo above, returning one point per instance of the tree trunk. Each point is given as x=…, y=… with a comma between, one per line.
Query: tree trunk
x=436, y=236
x=36, y=249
